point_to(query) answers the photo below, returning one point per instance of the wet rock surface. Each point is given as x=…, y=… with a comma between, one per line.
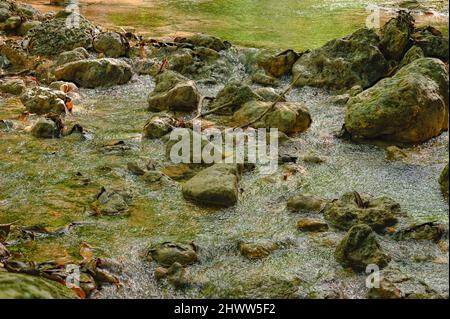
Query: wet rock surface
x=168, y=253
x=359, y=248
x=216, y=186
x=94, y=73
x=353, y=209
x=343, y=63
x=386, y=112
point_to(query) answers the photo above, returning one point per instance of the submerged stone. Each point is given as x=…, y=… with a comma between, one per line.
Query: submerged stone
x=359, y=248
x=45, y=128
x=255, y=251
x=158, y=125
x=394, y=284
x=353, y=209
x=433, y=231
x=112, y=202
x=19, y=286
x=305, y=202
x=410, y=107
x=168, y=253
x=312, y=225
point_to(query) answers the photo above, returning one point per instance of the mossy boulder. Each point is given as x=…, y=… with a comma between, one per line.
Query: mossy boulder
x=396, y=36
x=410, y=107
x=443, y=181
x=353, y=209
x=232, y=96
x=287, y=117
x=92, y=73
x=433, y=231
x=19, y=286
x=414, y=53
x=41, y=100
x=279, y=64
x=72, y=56
x=12, y=86
x=112, y=44
x=433, y=43
x=214, y=186
x=360, y=248
x=168, y=253
x=173, y=92
x=343, y=63
x=56, y=35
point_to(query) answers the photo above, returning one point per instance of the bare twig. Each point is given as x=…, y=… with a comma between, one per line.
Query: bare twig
x=272, y=106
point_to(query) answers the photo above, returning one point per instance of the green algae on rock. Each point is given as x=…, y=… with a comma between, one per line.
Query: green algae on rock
x=173, y=92
x=19, y=286
x=168, y=253
x=54, y=36
x=215, y=186
x=353, y=209
x=359, y=248
x=343, y=63
x=287, y=117
x=410, y=107
x=92, y=73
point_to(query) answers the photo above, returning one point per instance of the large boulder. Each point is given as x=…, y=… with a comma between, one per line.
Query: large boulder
x=214, y=186
x=432, y=42
x=12, y=86
x=359, y=248
x=279, y=64
x=173, y=92
x=396, y=36
x=353, y=209
x=443, y=181
x=54, y=36
x=410, y=107
x=287, y=117
x=42, y=100
x=343, y=63
x=19, y=286
x=111, y=44
x=92, y=73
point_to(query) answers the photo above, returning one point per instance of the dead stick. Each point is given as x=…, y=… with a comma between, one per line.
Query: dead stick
x=272, y=106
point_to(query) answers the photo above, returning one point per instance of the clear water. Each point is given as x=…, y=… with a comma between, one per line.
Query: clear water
x=38, y=185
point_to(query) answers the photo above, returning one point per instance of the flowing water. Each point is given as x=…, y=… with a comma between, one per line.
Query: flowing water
x=40, y=184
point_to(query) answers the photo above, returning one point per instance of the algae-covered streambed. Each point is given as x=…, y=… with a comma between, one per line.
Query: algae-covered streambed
x=53, y=182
